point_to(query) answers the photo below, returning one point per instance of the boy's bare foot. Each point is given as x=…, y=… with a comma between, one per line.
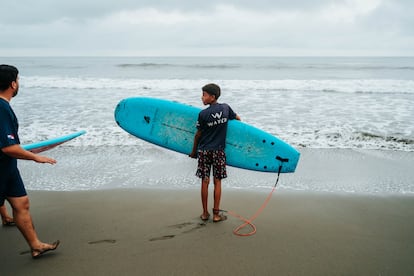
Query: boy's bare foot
x=204, y=216
x=217, y=217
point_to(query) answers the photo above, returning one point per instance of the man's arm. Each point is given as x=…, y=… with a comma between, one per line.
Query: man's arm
x=197, y=136
x=16, y=151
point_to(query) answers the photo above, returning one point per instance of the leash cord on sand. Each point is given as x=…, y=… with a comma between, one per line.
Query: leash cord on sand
x=249, y=222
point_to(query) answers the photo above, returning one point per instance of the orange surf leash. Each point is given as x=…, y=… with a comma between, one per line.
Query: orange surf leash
x=249, y=222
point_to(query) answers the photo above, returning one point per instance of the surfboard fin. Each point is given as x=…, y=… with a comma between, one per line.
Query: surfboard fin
x=282, y=159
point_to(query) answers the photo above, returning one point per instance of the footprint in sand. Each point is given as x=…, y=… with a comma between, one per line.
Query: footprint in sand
x=25, y=252
x=184, y=228
x=166, y=237
x=102, y=241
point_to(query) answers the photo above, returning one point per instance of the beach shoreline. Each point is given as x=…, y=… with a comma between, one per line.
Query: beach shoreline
x=139, y=220
x=158, y=232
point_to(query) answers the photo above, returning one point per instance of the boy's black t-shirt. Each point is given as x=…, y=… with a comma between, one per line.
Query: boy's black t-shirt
x=212, y=122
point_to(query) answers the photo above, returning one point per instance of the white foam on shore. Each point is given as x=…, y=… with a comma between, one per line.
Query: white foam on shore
x=147, y=166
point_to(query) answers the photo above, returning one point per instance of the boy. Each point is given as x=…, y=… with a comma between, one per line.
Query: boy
x=209, y=144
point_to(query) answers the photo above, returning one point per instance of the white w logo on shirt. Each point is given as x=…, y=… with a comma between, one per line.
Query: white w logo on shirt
x=217, y=115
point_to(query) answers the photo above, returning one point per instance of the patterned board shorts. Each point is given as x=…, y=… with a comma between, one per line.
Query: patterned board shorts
x=209, y=158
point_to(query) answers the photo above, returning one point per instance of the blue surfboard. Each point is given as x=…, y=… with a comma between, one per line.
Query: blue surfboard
x=172, y=125
x=51, y=143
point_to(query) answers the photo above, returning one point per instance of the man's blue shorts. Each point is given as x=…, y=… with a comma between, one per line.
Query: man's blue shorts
x=11, y=185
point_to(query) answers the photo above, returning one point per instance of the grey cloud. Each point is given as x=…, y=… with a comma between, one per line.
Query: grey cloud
x=41, y=11
x=88, y=27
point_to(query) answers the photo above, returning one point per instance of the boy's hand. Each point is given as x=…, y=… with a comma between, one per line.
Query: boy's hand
x=193, y=154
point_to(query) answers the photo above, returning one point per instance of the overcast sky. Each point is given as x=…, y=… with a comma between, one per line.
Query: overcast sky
x=206, y=28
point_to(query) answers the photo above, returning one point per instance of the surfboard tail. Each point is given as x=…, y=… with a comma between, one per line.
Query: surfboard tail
x=51, y=143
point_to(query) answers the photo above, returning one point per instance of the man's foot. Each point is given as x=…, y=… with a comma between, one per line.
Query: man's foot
x=37, y=252
x=9, y=222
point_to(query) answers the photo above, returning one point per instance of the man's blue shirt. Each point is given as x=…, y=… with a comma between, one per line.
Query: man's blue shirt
x=9, y=127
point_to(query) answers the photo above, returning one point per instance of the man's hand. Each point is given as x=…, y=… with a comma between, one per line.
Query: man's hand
x=44, y=159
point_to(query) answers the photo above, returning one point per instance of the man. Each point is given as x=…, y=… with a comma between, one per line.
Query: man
x=11, y=184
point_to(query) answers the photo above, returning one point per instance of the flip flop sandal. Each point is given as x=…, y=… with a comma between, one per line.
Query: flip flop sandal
x=40, y=252
x=9, y=223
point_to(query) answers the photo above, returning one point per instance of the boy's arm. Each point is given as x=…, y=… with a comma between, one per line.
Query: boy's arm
x=197, y=136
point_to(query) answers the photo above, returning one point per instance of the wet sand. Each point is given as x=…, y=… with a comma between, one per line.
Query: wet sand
x=158, y=232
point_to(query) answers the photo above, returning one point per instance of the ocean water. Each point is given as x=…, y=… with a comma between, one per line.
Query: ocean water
x=359, y=103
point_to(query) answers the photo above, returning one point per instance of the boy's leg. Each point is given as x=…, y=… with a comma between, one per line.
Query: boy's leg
x=217, y=216
x=219, y=172
x=204, y=196
x=217, y=193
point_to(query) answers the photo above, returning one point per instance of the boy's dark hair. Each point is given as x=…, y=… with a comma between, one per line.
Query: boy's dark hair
x=8, y=74
x=212, y=89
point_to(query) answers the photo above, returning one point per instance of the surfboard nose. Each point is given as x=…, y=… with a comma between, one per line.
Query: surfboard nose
x=119, y=112
x=135, y=117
